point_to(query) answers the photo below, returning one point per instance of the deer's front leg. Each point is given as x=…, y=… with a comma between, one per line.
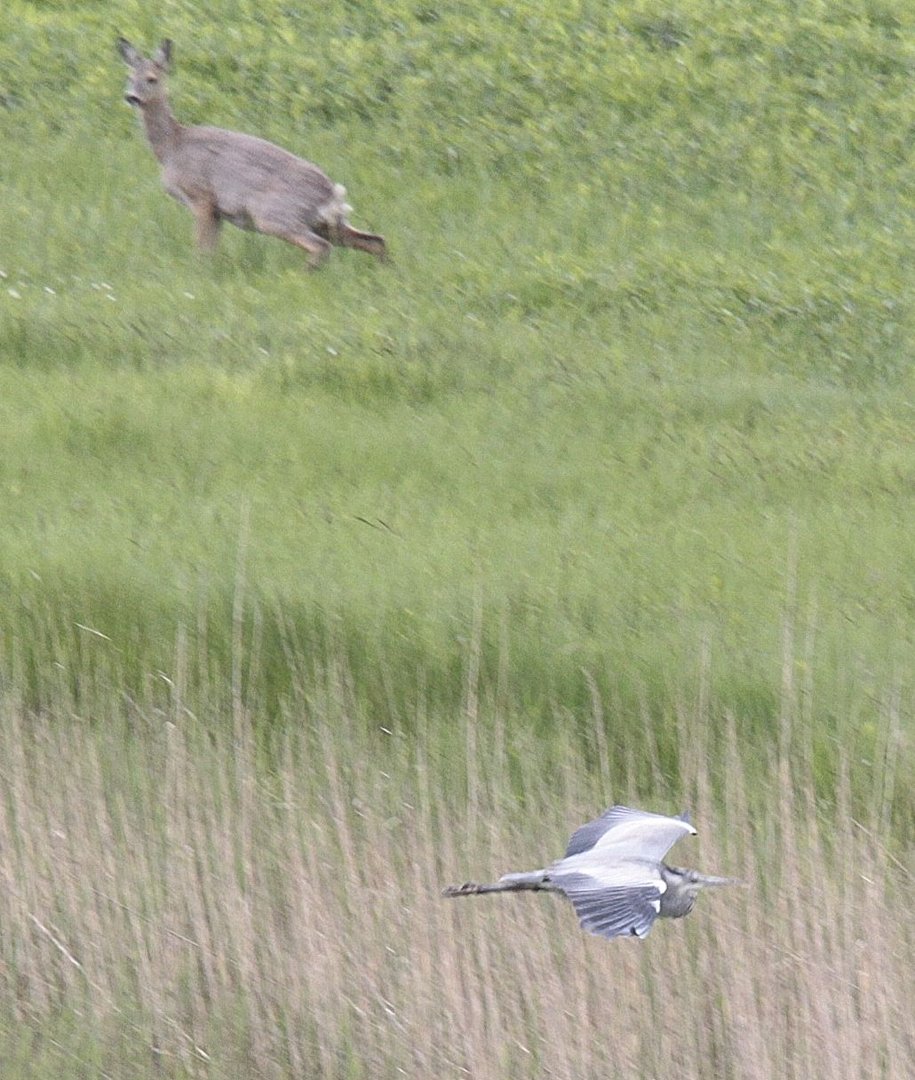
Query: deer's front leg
x=207, y=221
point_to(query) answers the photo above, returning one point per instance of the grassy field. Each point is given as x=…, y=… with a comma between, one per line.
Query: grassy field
x=602, y=489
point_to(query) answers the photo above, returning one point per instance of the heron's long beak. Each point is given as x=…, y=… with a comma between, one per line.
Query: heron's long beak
x=707, y=881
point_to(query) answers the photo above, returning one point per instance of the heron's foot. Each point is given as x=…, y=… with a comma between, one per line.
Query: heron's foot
x=469, y=888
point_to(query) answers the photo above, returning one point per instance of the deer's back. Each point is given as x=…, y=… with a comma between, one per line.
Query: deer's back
x=245, y=175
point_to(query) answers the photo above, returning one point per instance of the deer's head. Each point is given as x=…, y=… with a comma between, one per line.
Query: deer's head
x=146, y=81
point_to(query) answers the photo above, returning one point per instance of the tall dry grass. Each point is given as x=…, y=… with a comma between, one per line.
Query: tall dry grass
x=178, y=900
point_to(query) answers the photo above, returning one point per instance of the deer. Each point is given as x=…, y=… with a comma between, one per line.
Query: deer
x=225, y=175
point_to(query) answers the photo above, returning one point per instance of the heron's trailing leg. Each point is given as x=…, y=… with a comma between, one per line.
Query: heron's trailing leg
x=531, y=881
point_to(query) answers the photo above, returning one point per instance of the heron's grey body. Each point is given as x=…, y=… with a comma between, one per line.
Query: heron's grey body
x=614, y=874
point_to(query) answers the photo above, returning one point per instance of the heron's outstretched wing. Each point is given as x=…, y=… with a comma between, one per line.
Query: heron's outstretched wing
x=630, y=833
x=615, y=911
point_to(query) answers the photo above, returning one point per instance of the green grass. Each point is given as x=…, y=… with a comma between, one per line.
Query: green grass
x=625, y=425
x=642, y=356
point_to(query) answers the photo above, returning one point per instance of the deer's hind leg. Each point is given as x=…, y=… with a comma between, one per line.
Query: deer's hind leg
x=316, y=246
x=345, y=235
x=349, y=237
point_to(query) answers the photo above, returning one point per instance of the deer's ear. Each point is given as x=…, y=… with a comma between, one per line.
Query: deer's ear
x=128, y=53
x=163, y=55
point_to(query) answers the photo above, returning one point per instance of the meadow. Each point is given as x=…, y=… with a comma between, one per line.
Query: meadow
x=320, y=590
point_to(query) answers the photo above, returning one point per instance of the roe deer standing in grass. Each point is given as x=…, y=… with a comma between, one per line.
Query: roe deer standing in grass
x=226, y=176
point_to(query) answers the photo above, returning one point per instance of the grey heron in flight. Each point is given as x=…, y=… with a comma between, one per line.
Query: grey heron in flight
x=614, y=874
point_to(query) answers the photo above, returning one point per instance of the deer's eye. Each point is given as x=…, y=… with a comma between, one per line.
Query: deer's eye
x=152, y=79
